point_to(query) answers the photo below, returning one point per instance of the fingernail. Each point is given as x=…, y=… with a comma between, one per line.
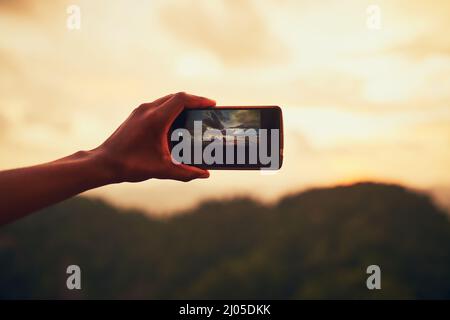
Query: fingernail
x=204, y=175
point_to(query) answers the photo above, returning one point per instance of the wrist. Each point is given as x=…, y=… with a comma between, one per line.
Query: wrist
x=101, y=168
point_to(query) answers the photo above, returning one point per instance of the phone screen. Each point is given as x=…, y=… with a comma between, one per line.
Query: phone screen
x=228, y=138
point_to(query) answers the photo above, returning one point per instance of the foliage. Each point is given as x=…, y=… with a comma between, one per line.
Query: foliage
x=315, y=244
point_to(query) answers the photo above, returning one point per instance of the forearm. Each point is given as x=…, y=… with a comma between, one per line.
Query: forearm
x=136, y=151
x=25, y=190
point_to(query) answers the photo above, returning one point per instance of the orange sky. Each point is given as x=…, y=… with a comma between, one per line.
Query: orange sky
x=358, y=103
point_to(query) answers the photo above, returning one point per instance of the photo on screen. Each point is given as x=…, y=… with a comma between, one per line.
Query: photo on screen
x=229, y=122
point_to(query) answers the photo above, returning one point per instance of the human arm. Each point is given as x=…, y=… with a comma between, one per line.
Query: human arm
x=138, y=150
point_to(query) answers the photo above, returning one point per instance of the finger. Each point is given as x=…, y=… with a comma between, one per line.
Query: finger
x=186, y=173
x=193, y=101
x=173, y=107
x=156, y=103
x=161, y=100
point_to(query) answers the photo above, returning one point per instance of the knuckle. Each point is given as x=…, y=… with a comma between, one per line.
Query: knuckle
x=135, y=111
x=181, y=96
x=140, y=109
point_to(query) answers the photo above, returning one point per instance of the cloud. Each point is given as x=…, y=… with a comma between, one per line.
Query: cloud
x=28, y=102
x=26, y=9
x=434, y=12
x=422, y=47
x=4, y=127
x=234, y=32
x=328, y=88
x=7, y=63
x=344, y=111
x=16, y=6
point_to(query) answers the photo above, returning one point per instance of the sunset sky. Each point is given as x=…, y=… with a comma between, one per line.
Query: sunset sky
x=358, y=103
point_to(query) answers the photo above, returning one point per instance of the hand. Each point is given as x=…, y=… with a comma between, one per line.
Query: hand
x=138, y=150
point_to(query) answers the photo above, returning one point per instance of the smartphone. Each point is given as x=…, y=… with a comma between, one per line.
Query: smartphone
x=229, y=137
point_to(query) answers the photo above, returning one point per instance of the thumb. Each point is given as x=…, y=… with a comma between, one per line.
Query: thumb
x=186, y=173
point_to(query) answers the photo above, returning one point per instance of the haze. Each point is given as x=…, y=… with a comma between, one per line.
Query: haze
x=359, y=104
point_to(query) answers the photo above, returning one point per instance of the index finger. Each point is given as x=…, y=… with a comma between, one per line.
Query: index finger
x=179, y=101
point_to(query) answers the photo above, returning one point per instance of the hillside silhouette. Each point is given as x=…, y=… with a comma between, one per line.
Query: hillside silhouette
x=315, y=244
